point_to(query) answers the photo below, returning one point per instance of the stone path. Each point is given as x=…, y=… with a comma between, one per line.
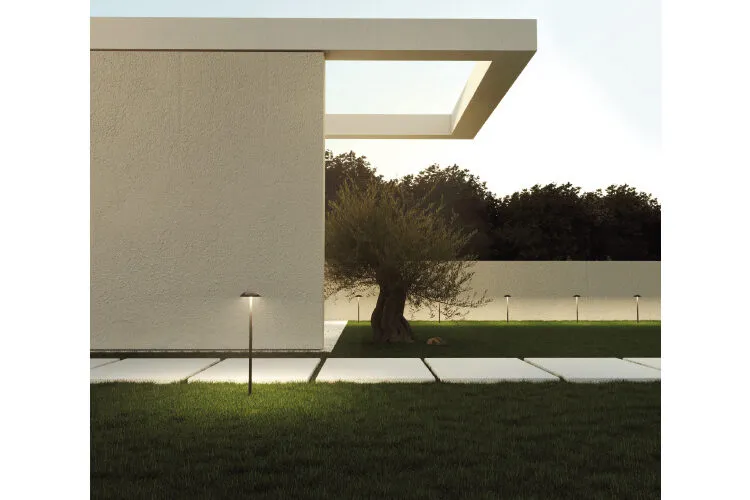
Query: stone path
x=102, y=361
x=487, y=370
x=265, y=370
x=596, y=369
x=652, y=362
x=376, y=370
x=158, y=370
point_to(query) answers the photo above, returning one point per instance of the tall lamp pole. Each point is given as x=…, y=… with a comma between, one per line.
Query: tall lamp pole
x=637, y=309
x=250, y=296
x=358, y=297
x=507, y=308
x=577, y=297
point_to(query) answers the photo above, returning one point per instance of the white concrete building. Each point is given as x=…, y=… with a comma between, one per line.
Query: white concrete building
x=207, y=164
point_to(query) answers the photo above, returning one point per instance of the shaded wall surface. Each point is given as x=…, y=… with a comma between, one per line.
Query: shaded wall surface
x=544, y=291
x=207, y=179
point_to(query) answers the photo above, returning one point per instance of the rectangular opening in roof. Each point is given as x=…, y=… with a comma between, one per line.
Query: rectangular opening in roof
x=394, y=87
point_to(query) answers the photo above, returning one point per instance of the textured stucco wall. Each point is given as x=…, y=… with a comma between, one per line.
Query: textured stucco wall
x=544, y=291
x=207, y=179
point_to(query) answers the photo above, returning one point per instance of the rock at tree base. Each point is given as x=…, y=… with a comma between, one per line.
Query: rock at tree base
x=436, y=341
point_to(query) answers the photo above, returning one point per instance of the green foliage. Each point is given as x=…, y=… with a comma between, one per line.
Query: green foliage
x=560, y=222
x=626, y=225
x=464, y=196
x=543, y=223
x=346, y=168
x=379, y=235
x=550, y=222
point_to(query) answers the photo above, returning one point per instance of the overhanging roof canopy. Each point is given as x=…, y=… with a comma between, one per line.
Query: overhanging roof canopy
x=501, y=47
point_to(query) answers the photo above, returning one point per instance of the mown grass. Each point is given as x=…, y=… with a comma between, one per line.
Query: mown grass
x=514, y=339
x=388, y=441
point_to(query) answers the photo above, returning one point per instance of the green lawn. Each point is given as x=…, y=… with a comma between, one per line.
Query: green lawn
x=387, y=441
x=514, y=339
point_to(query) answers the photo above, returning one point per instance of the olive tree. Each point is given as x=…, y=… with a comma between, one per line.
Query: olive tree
x=378, y=237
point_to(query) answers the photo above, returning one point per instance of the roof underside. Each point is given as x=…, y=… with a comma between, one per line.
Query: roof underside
x=501, y=47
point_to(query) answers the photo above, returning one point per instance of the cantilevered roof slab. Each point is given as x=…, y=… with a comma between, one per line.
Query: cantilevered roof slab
x=501, y=47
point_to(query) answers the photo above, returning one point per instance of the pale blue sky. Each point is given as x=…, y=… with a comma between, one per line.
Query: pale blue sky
x=587, y=109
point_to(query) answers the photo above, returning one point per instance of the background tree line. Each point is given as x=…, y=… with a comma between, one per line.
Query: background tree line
x=551, y=222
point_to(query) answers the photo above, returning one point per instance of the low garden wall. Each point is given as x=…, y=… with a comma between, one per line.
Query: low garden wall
x=544, y=291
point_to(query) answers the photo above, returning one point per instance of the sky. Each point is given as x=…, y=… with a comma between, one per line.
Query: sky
x=586, y=109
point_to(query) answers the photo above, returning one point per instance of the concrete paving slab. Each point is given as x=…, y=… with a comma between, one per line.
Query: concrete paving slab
x=652, y=362
x=102, y=361
x=159, y=370
x=374, y=370
x=596, y=369
x=331, y=333
x=265, y=370
x=487, y=370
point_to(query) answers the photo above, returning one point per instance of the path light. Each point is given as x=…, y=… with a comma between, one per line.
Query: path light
x=637, y=311
x=250, y=296
x=507, y=308
x=438, y=312
x=358, y=297
x=577, y=297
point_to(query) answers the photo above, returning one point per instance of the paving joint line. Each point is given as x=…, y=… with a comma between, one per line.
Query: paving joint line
x=107, y=363
x=316, y=371
x=641, y=364
x=563, y=379
x=437, y=379
x=185, y=380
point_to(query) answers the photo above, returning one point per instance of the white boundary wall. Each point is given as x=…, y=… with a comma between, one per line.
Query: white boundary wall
x=544, y=291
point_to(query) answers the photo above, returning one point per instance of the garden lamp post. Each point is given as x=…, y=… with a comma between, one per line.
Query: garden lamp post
x=577, y=297
x=637, y=309
x=507, y=308
x=358, y=297
x=250, y=296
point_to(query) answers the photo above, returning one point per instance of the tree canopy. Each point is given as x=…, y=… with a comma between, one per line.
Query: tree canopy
x=343, y=168
x=543, y=222
x=377, y=236
x=464, y=196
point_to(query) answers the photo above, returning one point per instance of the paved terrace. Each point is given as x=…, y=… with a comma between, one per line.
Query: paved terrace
x=373, y=370
x=376, y=370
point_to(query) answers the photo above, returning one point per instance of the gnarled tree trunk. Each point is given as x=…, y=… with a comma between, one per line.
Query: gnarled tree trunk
x=387, y=320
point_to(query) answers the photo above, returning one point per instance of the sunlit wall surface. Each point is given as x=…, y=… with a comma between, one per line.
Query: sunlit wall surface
x=544, y=291
x=206, y=180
